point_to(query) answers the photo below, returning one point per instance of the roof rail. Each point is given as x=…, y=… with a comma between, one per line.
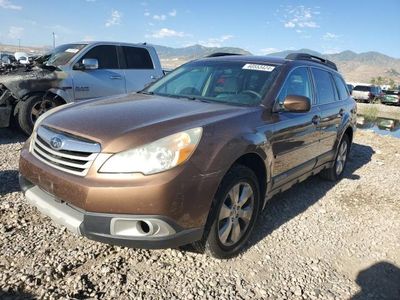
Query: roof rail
x=218, y=54
x=306, y=56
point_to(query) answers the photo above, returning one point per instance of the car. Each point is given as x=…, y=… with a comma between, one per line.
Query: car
x=193, y=158
x=350, y=87
x=22, y=58
x=391, y=97
x=75, y=72
x=367, y=93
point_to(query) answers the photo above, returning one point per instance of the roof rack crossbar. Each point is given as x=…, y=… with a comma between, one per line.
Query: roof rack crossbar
x=218, y=54
x=306, y=56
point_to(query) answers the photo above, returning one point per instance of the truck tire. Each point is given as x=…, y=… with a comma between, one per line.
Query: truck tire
x=31, y=109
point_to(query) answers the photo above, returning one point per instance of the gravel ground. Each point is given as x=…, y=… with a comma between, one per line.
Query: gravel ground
x=316, y=241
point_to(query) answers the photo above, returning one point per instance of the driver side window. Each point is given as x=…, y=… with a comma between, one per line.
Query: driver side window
x=106, y=56
x=298, y=83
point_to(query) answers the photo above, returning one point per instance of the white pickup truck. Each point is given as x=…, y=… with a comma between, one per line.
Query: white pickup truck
x=366, y=93
x=75, y=72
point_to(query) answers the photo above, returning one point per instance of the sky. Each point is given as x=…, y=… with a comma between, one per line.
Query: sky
x=260, y=27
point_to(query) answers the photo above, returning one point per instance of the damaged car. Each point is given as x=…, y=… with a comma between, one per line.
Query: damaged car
x=74, y=72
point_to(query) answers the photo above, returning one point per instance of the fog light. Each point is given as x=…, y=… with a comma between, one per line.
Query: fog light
x=126, y=227
x=140, y=227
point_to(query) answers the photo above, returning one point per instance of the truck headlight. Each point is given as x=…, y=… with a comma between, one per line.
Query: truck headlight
x=157, y=156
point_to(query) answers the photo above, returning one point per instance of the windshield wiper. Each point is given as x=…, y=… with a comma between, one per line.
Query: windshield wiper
x=145, y=93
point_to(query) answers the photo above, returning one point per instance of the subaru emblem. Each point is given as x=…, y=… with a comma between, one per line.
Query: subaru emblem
x=56, y=142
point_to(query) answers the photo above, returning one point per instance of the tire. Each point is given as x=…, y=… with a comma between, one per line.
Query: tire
x=336, y=171
x=31, y=109
x=231, y=222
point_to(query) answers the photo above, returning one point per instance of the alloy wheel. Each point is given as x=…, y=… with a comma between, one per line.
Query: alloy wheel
x=235, y=214
x=341, y=158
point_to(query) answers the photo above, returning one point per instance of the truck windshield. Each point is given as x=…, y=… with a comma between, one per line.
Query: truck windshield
x=60, y=55
x=237, y=83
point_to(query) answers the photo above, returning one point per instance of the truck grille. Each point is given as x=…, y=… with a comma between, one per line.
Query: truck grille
x=63, y=151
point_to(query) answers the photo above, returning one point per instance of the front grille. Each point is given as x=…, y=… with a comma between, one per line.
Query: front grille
x=74, y=156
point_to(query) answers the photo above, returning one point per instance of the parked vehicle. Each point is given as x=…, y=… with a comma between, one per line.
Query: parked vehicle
x=367, y=93
x=22, y=58
x=193, y=158
x=391, y=97
x=350, y=87
x=75, y=72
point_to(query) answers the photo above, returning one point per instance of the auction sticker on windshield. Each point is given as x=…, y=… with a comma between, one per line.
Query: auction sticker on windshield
x=72, y=50
x=257, y=67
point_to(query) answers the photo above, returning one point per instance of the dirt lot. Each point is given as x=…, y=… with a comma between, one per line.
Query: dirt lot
x=318, y=240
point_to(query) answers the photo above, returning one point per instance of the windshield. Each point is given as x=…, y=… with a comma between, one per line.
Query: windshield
x=60, y=55
x=362, y=88
x=237, y=83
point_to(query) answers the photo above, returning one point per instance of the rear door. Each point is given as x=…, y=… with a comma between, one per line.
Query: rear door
x=331, y=109
x=295, y=139
x=138, y=67
x=107, y=80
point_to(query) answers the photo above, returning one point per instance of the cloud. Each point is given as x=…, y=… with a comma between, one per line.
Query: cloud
x=115, y=18
x=172, y=13
x=160, y=17
x=166, y=33
x=266, y=51
x=299, y=17
x=216, y=42
x=90, y=0
x=8, y=5
x=15, y=32
x=146, y=14
x=330, y=36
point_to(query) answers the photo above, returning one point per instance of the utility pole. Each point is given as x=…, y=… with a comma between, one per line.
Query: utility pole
x=54, y=40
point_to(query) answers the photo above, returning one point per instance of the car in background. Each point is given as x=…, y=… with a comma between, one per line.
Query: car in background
x=75, y=72
x=367, y=93
x=391, y=97
x=193, y=158
x=22, y=58
x=350, y=87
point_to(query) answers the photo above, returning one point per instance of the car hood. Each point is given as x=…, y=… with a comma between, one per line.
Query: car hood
x=120, y=123
x=22, y=81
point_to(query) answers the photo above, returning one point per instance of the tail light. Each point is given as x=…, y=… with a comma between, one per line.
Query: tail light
x=370, y=95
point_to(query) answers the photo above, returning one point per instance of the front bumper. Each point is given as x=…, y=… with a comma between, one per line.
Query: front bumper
x=138, y=231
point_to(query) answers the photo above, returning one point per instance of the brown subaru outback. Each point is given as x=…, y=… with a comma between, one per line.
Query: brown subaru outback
x=193, y=158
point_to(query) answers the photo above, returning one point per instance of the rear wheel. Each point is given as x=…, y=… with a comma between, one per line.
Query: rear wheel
x=237, y=205
x=31, y=109
x=336, y=171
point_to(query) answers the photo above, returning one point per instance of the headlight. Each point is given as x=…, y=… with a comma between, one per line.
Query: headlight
x=157, y=156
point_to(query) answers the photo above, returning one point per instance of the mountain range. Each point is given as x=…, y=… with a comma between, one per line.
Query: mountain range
x=355, y=67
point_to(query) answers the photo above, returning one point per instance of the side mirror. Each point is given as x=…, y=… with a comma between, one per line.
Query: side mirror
x=90, y=64
x=295, y=103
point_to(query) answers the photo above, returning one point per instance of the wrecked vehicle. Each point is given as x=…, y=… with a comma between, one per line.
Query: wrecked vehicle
x=74, y=72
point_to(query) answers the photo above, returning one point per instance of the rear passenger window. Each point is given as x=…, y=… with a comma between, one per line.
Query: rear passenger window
x=106, y=55
x=298, y=84
x=137, y=58
x=323, y=85
x=341, y=87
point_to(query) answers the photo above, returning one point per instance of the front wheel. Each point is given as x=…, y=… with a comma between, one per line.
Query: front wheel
x=237, y=205
x=31, y=109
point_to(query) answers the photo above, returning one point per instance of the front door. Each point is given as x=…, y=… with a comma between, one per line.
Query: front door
x=107, y=80
x=295, y=138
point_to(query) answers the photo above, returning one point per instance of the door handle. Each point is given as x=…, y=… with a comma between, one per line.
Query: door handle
x=115, y=77
x=316, y=119
x=341, y=112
